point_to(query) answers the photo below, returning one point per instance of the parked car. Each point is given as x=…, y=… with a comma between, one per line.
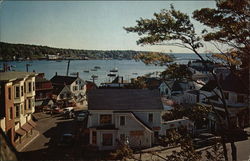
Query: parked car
x=57, y=110
x=68, y=109
x=81, y=116
x=66, y=140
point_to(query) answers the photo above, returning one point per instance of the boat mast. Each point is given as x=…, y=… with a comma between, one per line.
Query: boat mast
x=68, y=68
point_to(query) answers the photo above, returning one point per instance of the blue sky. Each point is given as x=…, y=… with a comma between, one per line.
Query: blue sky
x=96, y=25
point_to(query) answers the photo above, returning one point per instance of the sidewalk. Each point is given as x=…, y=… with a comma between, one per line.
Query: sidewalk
x=27, y=140
x=40, y=115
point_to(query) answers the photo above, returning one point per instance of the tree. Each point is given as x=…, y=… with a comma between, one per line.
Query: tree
x=176, y=72
x=230, y=22
x=172, y=27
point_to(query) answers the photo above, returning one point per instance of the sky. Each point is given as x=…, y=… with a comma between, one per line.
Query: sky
x=96, y=25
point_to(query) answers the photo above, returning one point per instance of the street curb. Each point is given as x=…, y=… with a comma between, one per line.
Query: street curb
x=20, y=150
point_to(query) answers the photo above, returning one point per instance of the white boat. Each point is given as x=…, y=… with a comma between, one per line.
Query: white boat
x=114, y=70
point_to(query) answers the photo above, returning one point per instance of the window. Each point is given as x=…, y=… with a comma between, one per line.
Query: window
x=122, y=120
x=93, y=137
x=105, y=119
x=10, y=113
x=150, y=117
x=17, y=91
x=33, y=86
x=17, y=110
x=240, y=98
x=107, y=139
x=24, y=87
x=226, y=94
x=122, y=137
x=29, y=104
x=21, y=90
x=75, y=88
x=9, y=93
x=29, y=87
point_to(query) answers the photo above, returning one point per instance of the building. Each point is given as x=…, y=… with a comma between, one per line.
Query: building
x=76, y=86
x=17, y=104
x=119, y=115
x=44, y=90
x=236, y=97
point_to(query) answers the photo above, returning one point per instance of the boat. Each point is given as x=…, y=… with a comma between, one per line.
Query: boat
x=73, y=73
x=97, y=67
x=93, y=69
x=111, y=75
x=86, y=71
x=114, y=70
x=135, y=73
x=94, y=76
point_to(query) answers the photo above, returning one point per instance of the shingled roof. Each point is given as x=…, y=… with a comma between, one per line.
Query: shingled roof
x=58, y=79
x=124, y=99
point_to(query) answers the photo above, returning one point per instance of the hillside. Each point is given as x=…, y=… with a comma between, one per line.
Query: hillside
x=10, y=51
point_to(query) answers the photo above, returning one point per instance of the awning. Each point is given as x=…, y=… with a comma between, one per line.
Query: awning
x=32, y=123
x=27, y=127
x=20, y=131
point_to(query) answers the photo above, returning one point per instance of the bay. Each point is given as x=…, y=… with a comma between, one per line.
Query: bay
x=126, y=68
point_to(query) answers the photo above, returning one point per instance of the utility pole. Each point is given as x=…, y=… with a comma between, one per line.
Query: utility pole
x=67, y=73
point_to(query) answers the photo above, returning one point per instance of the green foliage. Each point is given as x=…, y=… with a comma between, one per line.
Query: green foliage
x=167, y=25
x=187, y=152
x=154, y=58
x=123, y=152
x=215, y=153
x=176, y=72
x=230, y=23
x=23, y=51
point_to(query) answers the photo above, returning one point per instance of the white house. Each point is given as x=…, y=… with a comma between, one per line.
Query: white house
x=76, y=85
x=117, y=115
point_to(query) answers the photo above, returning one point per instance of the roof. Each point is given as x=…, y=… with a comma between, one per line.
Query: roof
x=209, y=86
x=177, y=86
x=234, y=83
x=40, y=79
x=11, y=76
x=58, y=88
x=124, y=99
x=58, y=79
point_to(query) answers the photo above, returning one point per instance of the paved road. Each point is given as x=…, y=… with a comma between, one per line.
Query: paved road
x=45, y=147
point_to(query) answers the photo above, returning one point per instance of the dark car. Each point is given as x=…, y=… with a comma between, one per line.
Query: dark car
x=66, y=140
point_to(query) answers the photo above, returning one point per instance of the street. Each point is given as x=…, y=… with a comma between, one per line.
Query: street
x=45, y=147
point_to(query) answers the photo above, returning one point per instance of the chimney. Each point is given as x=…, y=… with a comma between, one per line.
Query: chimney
x=56, y=73
x=77, y=74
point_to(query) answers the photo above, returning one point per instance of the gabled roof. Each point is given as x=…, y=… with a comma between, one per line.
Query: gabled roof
x=209, y=86
x=58, y=89
x=234, y=83
x=124, y=99
x=58, y=79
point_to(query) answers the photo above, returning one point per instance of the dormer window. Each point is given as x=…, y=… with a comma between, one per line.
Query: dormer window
x=105, y=119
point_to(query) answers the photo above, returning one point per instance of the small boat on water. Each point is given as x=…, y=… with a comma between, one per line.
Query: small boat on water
x=73, y=73
x=135, y=73
x=94, y=69
x=94, y=76
x=114, y=70
x=111, y=75
x=97, y=67
x=86, y=71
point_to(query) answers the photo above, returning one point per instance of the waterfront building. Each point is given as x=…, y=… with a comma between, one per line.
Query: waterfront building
x=17, y=104
x=76, y=87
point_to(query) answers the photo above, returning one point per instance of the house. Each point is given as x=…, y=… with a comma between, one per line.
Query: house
x=75, y=85
x=236, y=97
x=63, y=96
x=165, y=88
x=44, y=90
x=17, y=104
x=119, y=115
